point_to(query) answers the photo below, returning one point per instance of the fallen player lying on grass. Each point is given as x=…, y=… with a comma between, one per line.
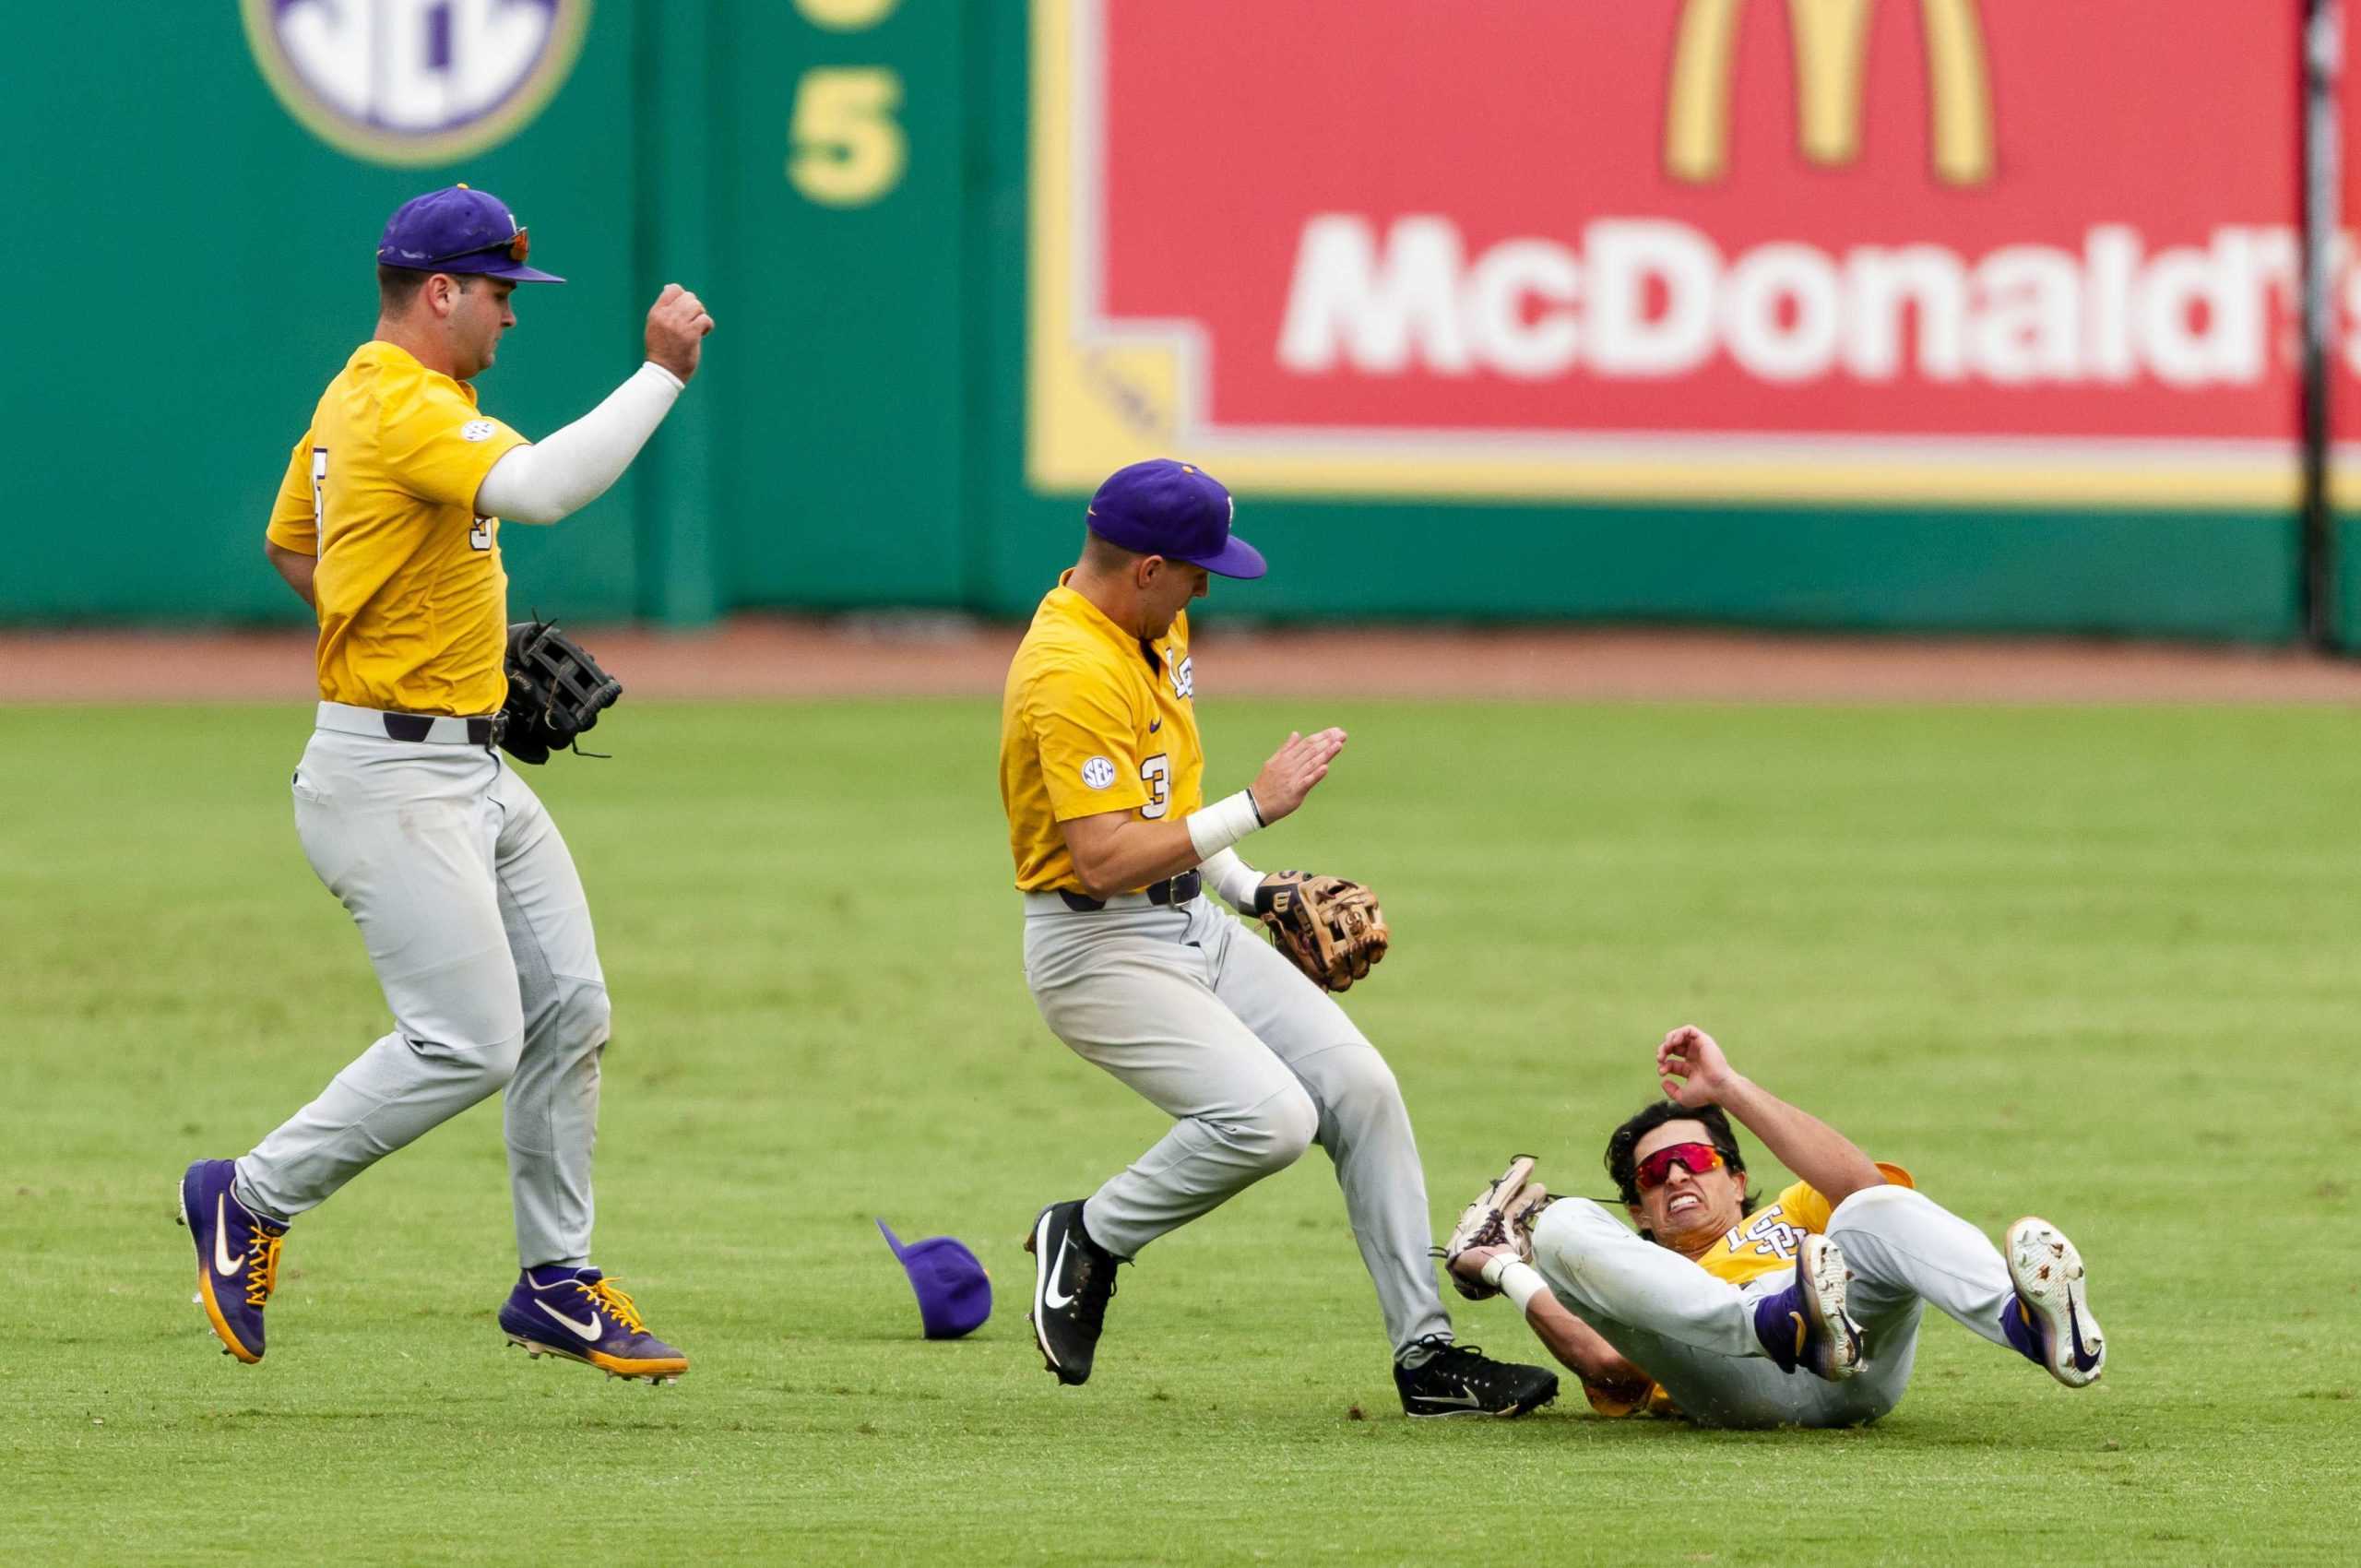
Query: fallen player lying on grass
x=1711, y=1310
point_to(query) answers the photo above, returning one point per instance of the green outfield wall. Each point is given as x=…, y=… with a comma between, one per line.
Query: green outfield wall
x=855, y=187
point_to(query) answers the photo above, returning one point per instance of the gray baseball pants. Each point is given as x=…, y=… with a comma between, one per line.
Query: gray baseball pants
x=477, y=926
x=1255, y=1064
x=1694, y=1333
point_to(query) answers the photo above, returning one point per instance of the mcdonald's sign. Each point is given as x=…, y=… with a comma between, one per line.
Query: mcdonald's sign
x=1959, y=251
x=1831, y=42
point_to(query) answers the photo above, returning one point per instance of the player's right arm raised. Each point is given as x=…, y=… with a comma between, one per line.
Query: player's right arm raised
x=1693, y=1072
x=1116, y=851
x=566, y=470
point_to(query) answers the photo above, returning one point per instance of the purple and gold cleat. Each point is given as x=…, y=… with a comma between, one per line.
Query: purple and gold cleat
x=1805, y=1324
x=237, y=1256
x=2048, y=1320
x=579, y=1314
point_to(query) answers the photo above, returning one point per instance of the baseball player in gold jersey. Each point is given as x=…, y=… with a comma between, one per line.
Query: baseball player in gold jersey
x=1718, y=1302
x=1100, y=776
x=388, y=525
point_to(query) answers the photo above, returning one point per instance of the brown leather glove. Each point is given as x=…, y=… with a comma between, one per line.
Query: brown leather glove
x=1329, y=928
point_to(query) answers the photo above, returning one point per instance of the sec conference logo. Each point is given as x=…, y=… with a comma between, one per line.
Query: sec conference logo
x=415, y=81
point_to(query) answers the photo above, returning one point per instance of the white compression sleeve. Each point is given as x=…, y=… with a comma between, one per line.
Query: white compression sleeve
x=569, y=468
x=1233, y=879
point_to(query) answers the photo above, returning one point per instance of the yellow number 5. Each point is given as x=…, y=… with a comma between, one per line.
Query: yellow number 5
x=847, y=149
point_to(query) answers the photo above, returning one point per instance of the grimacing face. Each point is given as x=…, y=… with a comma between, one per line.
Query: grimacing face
x=1687, y=1208
x=480, y=313
x=1170, y=585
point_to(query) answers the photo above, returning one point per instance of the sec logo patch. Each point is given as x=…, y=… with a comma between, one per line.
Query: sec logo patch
x=476, y=430
x=415, y=81
x=1099, y=772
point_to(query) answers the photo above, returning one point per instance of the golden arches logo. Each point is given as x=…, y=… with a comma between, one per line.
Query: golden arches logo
x=1832, y=42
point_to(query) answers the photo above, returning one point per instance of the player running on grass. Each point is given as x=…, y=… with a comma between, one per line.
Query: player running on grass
x=1717, y=1304
x=388, y=526
x=1100, y=773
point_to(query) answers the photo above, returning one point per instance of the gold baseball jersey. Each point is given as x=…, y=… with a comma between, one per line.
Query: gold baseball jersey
x=413, y=604
x=1093, y=720
x=1763, y=1242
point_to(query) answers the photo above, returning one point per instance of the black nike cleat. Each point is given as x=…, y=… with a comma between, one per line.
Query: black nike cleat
x=1074, y=1278
x=1459, y=1380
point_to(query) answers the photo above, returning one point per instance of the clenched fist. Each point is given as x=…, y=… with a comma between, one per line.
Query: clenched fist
x=676, y=327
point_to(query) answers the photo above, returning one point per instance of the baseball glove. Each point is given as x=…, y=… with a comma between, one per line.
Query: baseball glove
x=1329, y=928
x=1502, y=1215
x=555, y=689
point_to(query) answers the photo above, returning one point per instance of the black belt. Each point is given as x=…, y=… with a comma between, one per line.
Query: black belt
x=418, y=726
x=1177, y=890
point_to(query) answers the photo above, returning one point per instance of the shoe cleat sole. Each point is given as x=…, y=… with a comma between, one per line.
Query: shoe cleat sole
x=2048, y=1272
x=1841, y=1337
x=535, y=1349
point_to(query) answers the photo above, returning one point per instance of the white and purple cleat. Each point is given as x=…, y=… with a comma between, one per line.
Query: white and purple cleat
x=577, y=1313
x=2048, y=1320
x=237, y=1256
x=1806, y=1324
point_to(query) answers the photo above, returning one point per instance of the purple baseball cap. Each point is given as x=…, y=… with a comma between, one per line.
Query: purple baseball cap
x=955, y=1294
x=458, y=229
x=1176, y=510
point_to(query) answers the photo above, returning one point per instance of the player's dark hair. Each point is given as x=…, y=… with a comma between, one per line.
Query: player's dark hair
x=1622, y=1166
x=398, y=286
x=1105, y=554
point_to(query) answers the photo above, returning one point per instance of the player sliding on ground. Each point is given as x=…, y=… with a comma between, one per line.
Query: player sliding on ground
x=1133, y=969
x=1801, y=1312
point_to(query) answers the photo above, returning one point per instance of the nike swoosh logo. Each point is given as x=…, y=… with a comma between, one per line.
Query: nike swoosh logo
x=588, y=1328
x=1050, y=1297
x=223, y=1263
x=2084, y=1360
x=1465, y=1400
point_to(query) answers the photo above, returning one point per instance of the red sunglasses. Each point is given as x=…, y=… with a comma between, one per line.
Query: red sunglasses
x=1656, y=1169
x=518, y=246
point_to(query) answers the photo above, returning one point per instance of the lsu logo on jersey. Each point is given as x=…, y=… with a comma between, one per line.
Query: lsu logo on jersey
x=1184, y=678
x=1766, y=1235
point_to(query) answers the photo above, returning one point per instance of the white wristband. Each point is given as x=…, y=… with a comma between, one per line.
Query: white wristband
x=1233, y=879
x=1519, y=1282
x=1215, y=828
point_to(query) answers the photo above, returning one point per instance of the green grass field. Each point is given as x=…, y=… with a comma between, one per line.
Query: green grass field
x=2094, y=964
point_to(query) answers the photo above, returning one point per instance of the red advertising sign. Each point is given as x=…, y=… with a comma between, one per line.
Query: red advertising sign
x=1932, y=250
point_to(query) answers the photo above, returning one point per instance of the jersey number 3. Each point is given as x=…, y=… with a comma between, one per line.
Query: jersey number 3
x=1156, y=773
